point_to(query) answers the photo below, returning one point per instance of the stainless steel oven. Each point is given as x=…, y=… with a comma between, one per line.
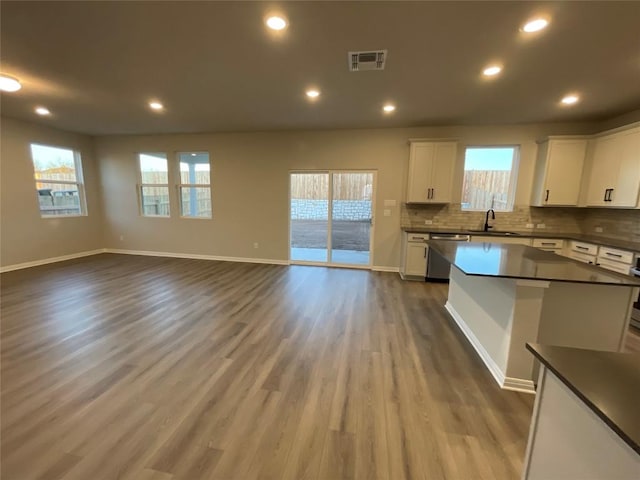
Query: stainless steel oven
x=635, y=312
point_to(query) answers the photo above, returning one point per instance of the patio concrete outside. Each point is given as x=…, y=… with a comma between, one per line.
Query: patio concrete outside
x=350, y=241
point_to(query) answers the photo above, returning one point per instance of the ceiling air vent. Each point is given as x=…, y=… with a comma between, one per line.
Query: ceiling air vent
x=369, y=60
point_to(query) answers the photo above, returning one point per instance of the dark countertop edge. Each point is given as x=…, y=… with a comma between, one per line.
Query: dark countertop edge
x=622, y=244
x=594, y=408
x=556, y=280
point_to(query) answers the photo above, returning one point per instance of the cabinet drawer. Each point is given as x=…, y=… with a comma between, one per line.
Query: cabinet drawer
x=583, y=257
x=614, y=266
x=616, y=255
x=586, y=248
x=546, y=243
x=417, y=237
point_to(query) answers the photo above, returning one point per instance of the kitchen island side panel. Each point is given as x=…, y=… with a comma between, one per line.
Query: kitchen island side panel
x=486, y=306
x=586, y=315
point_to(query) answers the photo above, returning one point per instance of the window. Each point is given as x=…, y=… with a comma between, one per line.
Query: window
x=489, y=178
x=59, y=184
x=195, y=185
x=154, y=185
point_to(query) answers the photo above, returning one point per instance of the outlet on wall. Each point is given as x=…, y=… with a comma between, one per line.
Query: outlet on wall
x=598, y=229
x=529, y=225
x=428, y=222
x=121, y=238
x=540, y=225
x=255, y=245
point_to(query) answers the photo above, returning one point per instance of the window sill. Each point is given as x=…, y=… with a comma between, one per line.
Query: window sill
x=195, y=218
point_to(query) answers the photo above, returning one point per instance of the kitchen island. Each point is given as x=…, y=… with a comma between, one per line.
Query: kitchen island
x=586, y=421
x=502, y=296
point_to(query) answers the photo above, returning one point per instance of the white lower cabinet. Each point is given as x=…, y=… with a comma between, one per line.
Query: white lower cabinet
x=553, y=245
x=414, y=256
x=616, y=260
x=583, y=252
x=582, y=257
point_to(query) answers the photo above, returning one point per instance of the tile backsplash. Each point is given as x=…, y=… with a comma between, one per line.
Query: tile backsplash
x=618, y=224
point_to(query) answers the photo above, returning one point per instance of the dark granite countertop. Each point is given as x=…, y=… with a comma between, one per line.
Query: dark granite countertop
x=522, y=262
x=608, y=242
x=607, y=382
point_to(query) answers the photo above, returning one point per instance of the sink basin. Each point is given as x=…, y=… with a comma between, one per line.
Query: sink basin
x=494, y=232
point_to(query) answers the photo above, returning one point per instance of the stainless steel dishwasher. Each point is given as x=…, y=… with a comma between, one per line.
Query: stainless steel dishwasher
x=438, y=269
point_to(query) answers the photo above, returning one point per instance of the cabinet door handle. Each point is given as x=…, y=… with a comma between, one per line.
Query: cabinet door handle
x=614, y=255
x=433, y=193
x=546, y=198
x=606, y=192
x=425, y=252
x=610, y=193
x=548, y=243
x=582, y=248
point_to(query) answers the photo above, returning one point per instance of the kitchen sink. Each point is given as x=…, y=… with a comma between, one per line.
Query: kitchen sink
x=494, y=232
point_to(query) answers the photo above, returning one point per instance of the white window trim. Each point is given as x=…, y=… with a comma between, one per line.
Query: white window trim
x=141, y=185
x=513, y=177
x=180, y=186
x=79, y=183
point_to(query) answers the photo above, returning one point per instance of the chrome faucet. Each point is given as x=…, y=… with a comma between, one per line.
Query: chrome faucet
x=486, y=219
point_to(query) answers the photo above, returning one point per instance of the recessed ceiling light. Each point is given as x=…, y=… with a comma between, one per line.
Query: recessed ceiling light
x=535, y=25
x=313, y=93
x=9, y=84
x=570, y=99
x=388, y=108
x=492, y=70
x=276, y=23
x=42, y=111
x=156, y=105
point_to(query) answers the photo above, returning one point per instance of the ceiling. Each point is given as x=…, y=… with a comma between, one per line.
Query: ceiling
x=216, y=67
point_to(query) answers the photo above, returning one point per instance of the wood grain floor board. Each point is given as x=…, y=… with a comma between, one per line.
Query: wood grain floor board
x=141, y=368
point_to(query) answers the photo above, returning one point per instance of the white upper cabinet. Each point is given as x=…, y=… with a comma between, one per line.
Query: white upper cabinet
x=431, y=172
x=558, y=171
x=615, y=173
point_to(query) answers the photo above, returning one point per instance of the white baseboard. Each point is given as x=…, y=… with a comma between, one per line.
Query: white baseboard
x=148, y=253
x=519, y=385
x=196, y=256
x=45, y=261
x=378, y=268
x=508, y=383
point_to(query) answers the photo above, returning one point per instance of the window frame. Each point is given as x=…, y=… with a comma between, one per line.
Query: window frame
x=79, y=182
x=141, y=185
x=180, y=185
x=513, y=177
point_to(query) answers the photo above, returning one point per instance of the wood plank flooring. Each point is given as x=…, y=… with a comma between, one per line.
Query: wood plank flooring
x=125, y=367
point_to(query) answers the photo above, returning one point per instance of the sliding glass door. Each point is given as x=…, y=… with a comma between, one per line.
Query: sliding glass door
x=309, y=215
x=331, y=217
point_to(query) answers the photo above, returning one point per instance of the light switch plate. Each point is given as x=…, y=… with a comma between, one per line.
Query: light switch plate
x=428, y=222
x=530, y=225
x=540, y=225
x=598, y=229
x=386, y=212
x=390, y=203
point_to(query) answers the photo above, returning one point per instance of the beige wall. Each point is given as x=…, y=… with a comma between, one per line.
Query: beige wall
x=250, y=183
x=24, y=235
